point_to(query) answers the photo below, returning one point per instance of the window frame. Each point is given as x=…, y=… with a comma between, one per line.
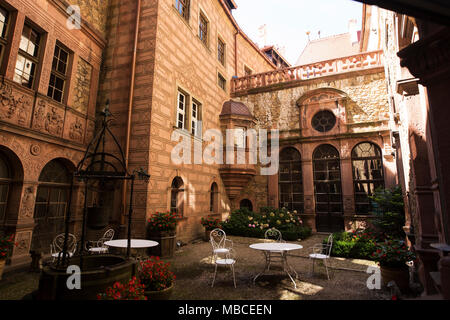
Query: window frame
x=220, y=78
x=367, y=182
x=4, y=38
x=57, y=74
x=27, y=56
x=221, y=58
x=203, y=33
x=179, y=4
x=184, y=112
x=197, y=119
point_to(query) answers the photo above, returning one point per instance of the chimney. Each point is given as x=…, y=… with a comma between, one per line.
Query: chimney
x=353, y=31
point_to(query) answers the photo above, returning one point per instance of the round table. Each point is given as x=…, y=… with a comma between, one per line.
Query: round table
x=135, y=244
x=281, y=248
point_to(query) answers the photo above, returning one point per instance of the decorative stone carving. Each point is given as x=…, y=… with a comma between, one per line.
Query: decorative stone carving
x=54, y=122
x=23, y=240
x=28, y=202
x=76, y=130
x=39, y=116
x=35, y=149
x=11, y=108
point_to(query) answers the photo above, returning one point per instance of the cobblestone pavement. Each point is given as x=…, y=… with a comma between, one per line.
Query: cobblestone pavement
x=194, y=271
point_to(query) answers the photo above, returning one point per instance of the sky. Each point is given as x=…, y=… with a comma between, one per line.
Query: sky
x=287, y=21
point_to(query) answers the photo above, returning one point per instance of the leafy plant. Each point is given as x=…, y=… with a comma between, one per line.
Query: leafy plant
x=6, y=244
x=356, y=244
x=155, y=274
x=162, y=221
x=244, y=222
x=392, y=253
x=133, y=290
x=210, y=223
x=389, y=213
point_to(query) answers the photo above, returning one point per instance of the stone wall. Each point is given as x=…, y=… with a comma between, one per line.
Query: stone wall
x=94, y=12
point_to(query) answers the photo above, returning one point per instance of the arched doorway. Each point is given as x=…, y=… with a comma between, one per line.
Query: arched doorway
x=367, y=167
x=176, y=197
x=328, y=189
x=246, y=203
x=51, y=204
x=290, y=181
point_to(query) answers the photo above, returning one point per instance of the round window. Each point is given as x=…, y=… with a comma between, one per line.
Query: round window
x=323, y=121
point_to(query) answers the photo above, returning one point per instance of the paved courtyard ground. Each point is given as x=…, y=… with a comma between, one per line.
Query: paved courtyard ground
x=191, y=264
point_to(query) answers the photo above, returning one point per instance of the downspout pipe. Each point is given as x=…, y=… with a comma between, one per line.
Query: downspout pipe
x=130, y=109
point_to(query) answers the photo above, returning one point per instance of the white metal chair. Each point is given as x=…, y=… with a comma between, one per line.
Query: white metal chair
x=274, y=235
x=57, y=246
x=220, y=244
x=99, y=246
x=322, y=252
x=228, y=260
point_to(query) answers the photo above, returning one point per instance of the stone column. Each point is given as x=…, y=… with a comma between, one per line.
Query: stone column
x=309, y=216
x=348, y=198
x=25, y=224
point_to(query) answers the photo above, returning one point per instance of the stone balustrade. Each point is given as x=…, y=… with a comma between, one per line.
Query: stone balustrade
x=360, y=61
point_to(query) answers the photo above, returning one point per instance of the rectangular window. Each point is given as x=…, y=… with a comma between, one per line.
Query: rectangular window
x=182, y=7
x=58, y=75
x=221, y=51
x=28, y=57
x=3, y=31
x=203, y=29
x=221, y=82
x=181, y=111
x=196, y=118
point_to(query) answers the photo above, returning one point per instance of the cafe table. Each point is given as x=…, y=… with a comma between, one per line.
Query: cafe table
x=280, y=249
x=135, y=244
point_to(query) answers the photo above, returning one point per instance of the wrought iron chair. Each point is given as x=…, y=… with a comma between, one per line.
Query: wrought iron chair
x=322, y=252
x=274, y=235
x=228, y=260
x=56, y=247
x=99, y=245
x=220, y=244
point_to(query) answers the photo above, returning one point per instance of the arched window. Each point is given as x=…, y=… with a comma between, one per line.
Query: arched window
x=290, y=182
x=214, y=198
x=5, y=182
x=176, y=196
x=328, y=189
x=367, y=174
x=245, y=203
x=51, y=204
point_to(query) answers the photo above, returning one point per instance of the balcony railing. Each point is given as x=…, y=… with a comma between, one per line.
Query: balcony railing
x=310, y=71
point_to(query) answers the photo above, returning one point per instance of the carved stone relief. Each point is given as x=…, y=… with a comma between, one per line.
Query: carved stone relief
x=13, y=109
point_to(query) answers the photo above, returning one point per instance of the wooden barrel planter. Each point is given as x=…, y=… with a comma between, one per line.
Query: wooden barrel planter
x=399, y=275
x=99, y=273
x=167, y=244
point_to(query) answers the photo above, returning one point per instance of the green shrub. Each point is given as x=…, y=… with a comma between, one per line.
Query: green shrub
x=357, y=245
x=389, y=213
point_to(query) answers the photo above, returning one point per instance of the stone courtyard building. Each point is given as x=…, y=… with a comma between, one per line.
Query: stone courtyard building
x=181, y=68
x=167, y=65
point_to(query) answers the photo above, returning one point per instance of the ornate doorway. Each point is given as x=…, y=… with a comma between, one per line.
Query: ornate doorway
x=51, y=205
x=328, y=189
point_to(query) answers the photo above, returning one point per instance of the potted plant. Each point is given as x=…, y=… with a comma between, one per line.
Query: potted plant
x=392, y=256
x=6, y=244
x=161, y=227
x=157, y=279
x=133, y=290
x=210, y=224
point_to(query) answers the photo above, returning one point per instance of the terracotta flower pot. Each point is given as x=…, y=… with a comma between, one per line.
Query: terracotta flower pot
x=400, y=275
x=2, y=266
x=159, y=295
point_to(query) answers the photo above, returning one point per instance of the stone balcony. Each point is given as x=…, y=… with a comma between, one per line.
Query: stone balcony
x=367, y=60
